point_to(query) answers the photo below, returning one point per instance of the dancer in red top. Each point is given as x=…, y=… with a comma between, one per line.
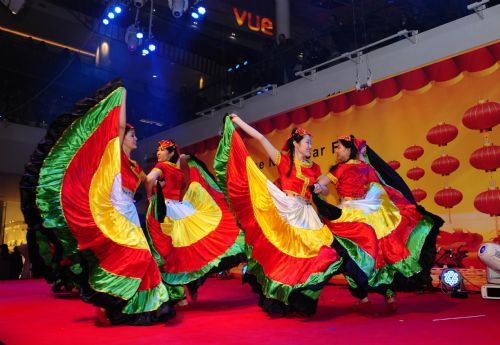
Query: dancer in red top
x=189, y=222
x=288, y=247
x=383, y=231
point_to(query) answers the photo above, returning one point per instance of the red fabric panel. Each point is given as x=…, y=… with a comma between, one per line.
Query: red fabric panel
x=413, y=80
x=386, y=88
x=318, y=110
x=299, y=116
x=443, y=70
x=339, y=104
x=363, y=97
x=281, y=121
x=476, y=60
x=495, y=50
x=212, y=143
x=265, y=126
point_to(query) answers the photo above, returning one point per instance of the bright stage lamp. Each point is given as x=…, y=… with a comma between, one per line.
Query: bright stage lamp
x=452, y=283
x=202, y=10
x=111, y=15
x=152, y=47
x=118, y=9
x=105, y=21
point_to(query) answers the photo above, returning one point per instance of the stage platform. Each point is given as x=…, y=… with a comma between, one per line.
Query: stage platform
x=227, y=313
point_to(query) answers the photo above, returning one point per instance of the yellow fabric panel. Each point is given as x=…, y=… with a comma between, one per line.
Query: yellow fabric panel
x=293, y=241
x=383, y=221
x=112, y=223
x=185, y=232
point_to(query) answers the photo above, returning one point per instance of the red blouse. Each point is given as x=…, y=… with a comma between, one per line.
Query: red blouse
x=302, y=176
x=132, y=174
x=352, y=178
x=173, y=177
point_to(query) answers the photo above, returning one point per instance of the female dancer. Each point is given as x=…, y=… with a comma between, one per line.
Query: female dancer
x=289, y=253
x=189, y=222
x=378, y=225
x=79, y=189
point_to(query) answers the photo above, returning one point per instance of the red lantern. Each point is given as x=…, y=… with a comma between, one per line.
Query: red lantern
x=486, y=158
x=413, y=152
x=394, y=164
x=445, y=165
x=415, y=173
x=483, y=116
x=448, y=197
x=442, y=134
x=419, y=194
x=488, y=202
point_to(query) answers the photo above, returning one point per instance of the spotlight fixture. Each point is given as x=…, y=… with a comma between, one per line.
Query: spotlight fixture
x=139, y=35
x=145, y=52
x=452, y=283
x=178, y=7
x=118, y=9
x=232, y=36
x=105, y=21
x=132, y=38
x=195, y=15
x=111, y=15
x=202, y=10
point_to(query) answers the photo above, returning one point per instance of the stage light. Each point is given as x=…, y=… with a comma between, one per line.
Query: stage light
x=105, y=21
x=131, y=37
x=139, y=35
x=145, y=52
x=151, y=47
x=452, y=283
x=245, y=63
x=450, y=278
x=230, y=69
x=118, y=9
x=111, y=15
x=155, y=76
x=232, y=36
x=195, y=15
x=237, y=66
x=202, y=10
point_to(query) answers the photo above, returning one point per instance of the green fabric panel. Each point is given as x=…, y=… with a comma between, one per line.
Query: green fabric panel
x=112, y=284
x=147, y=300
x=280, y=291
x=176, y=292
x=364, y=261
x=154, y=251
x=222, y=155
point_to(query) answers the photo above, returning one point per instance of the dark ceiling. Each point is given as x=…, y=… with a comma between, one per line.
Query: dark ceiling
x=39, y=82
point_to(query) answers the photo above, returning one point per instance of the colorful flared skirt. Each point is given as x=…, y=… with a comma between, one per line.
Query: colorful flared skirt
x=196, y=236
x=288, y=247
x=73, y=202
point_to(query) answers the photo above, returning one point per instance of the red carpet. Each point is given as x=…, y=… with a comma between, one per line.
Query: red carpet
x=226, y=313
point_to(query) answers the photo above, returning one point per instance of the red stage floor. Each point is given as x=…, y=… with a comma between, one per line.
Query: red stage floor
x=226, y=313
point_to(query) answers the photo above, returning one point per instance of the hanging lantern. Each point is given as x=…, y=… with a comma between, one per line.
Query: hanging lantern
x=419, y=194
x=486, y=158
x=488, y=202
x=413, y=152
x=442, y=134
x=483, y=116
x=415, y=173
x=445, y=165
x=394, y=164
x=448, y=197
